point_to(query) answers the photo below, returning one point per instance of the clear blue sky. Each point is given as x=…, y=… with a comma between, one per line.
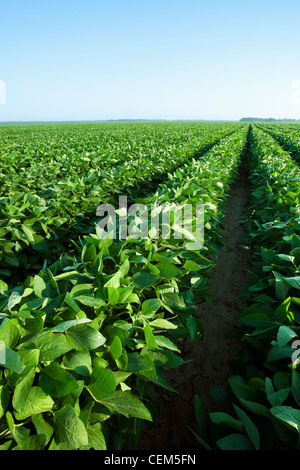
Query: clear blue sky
x=166, y=59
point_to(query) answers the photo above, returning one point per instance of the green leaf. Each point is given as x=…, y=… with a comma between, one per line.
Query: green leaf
x=192, y=326
x=14, y=299
x=90, y=300
x=4, y=399
x=268, y=256
x=280, y=286
x=115, y=348
x=202, y=418
x=84, y=337
x=288, y=415
x=284, y=335
x=293, y=281
x=70, y=429
x=103, y=383
x=56, y=381
x=79, y=361
x=191, y=266
x=235, y=442
x=10, y=359
x=278, y=397
x=256, y=408
x=28, y=400
x=256, y=320
x=39, y=286
x=242, y=390
x=37, y=402
x=124, y=293
x=66, y=325
x=168, y=270
x=52, y=345
x=19, y=433
x=127, y=404
x=281, y=312
x=296, y=386
x=96, y=437
x=249, y=427
x=136, y=363
x=172, y=300
x=9, y=333
x=143, y=279
x=149, y=337
x=163, y=324
x=221, y=418
x=71, y=303
x=150, y=307
x=42, y=426
x=112, y=295
x=164, y=342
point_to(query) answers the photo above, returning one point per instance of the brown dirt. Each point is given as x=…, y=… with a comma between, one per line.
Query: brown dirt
x=214, y=356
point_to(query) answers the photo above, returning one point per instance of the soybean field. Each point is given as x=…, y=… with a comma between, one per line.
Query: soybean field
x=154, y=341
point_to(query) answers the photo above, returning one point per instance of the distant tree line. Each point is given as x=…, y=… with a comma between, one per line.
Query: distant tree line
x=253, y=119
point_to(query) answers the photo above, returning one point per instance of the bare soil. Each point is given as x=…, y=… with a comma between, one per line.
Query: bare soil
x=214, y=356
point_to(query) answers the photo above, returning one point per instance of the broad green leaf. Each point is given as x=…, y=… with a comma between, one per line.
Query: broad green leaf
x=103, y=383
x=221, y=418
x=112, y=295
x=71, y=303
x=115, y=348
x=79, y=361
x=52, y=346
x=39, y=286
x=165, y=342
x=256, y=408
x=37, y=402
x=9, y=333
x=84, y=337
x=275, y=397
x=143, y=279
x=296, y=386
x=4, y=399
x=89, y=300
x=192, y=326
x=127, y=404
x=42, y=426
x=163, y=324
x=173, y=300
x=235, y=442
x=70, y=429
x=284, y=335
x=10, y=359
x=288, y=415
x=69, y=324
x=293, y=281
x=136, y=363
x=280, y=286
x=14, y=299
x=19, y=433
x=242, y=390
x=56, y=381
x=249, y=427
x=281, y=312
x=96, y=437
x=149, y=337
x=168, y=270
x=150, y=307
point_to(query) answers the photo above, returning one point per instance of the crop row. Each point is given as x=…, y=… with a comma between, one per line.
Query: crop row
x=263, y=410
x=289, y=138
x=49, y=201
x=86, y=340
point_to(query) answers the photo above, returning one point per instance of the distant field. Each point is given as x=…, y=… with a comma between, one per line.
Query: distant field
x=95, y=333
